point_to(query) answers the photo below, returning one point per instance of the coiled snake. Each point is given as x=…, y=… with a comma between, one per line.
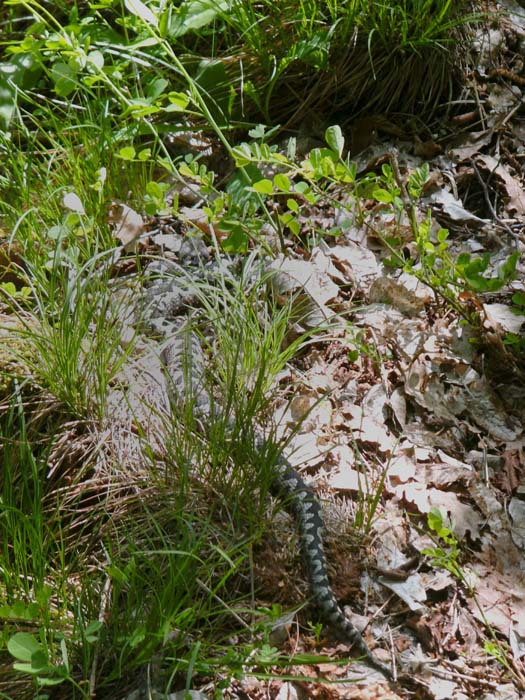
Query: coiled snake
x=169, y=302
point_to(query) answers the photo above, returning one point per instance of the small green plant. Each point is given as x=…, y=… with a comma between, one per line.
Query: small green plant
x=317, y=630
x=447, y=554
x=240, y=56
x=22, y=295
x=434, y=264
x=69, y=328
x=514, y=340
x=266, y=655
x=33, y=657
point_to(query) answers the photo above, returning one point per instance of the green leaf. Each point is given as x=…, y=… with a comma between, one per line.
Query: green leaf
x=156, y=88
x=72, y=201
x=64, y=78
x=291, y=222
x=301, y=187
x=242, y=155
x=519, y=299
x=435, y=520
x=195, y=14
x=294, y=227
x=281, y=182
x=18, y=72
x=508, y=269
x=237, y=241
x=58, y=232
x=52, y=681
x=382, y=195
x=136, y=637
x=127, y=153
x=417, y=180
x=178, y=102
x=23, y=646
x=92, y=630
x=39, y=661
x=314, y=51
x=335, y=139
x=263, y=186
x=463, y=259
x=258, y=132
x=322, y=161
x=478, y=265
x=139, y=108
x=96, y=59
x=139, y=9
x=24, y=668
x=117, y=575
x=353, y=356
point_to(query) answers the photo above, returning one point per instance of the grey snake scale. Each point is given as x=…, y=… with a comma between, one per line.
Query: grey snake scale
x=168, y=303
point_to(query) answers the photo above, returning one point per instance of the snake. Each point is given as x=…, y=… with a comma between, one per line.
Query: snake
x=168, y=305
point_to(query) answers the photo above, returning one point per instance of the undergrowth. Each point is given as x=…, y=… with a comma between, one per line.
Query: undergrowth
x=249, y=61
x=115, y=555
x=108, y=535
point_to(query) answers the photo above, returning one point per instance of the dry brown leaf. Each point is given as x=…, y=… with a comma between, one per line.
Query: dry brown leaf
x=308, y=284
x=401, y=469
x=426, y=149
x=387, y=291
x=502, y=317
x=449, y=387
x=128, y=225
x=463, y=517
x=517, y=517
x=411, y=591
x=500, y=596
x=356, y=263
x=471, y=144
x=445, y=202
x=443, y=475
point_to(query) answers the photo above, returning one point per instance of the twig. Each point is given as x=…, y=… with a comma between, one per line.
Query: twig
x=408, y=204
x=495, y=216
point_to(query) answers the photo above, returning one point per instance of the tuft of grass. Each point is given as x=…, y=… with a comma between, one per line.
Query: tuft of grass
x=72, y=337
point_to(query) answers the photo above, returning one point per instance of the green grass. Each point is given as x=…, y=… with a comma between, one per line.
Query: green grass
x=127, y=566
x=235, y=62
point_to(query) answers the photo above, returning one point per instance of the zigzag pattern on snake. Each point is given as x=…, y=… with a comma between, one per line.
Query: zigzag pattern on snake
x=307, y=513
x=287, y=484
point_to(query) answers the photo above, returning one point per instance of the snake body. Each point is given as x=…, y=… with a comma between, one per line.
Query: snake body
x=301, y=501
x=170, y=304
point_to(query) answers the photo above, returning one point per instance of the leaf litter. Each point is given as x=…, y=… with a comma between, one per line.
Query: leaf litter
x=421, y=407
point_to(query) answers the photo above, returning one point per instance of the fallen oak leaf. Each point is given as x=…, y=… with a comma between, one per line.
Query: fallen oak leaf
x=128, y=225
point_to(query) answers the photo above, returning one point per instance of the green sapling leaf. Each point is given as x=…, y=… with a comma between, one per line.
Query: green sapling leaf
x=139, y=9
x=335, y=139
